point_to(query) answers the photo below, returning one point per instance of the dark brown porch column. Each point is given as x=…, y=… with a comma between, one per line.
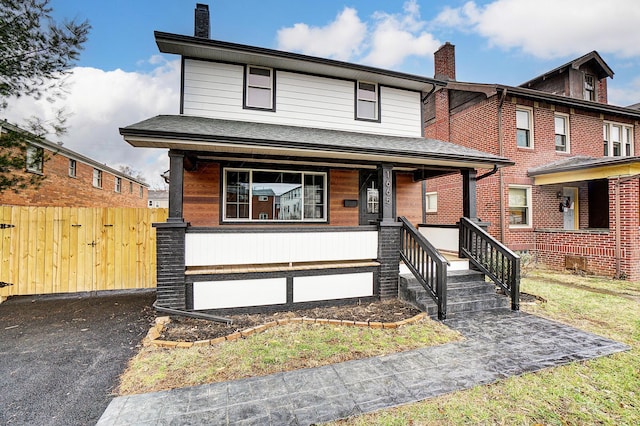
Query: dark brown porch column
x=469, y=194
x=176, y=179
x=388, y=237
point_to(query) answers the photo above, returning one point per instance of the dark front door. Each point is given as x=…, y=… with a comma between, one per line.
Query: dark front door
x=369, y=197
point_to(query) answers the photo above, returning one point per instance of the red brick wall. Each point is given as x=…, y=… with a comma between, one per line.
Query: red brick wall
x=60, y=190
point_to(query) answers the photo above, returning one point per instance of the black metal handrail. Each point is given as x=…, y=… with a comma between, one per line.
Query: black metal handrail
x=426, y=263
x=492, y=258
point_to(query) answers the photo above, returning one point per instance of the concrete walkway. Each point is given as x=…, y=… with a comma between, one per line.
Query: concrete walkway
x=498, y=344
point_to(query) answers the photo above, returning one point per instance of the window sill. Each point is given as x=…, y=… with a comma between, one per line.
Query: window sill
x=526, y=148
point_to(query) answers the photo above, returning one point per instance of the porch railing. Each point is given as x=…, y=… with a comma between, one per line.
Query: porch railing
x=426, y=263
x=492, y=258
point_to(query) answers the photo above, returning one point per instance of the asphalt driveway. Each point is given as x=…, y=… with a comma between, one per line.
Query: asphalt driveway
x=60, y=358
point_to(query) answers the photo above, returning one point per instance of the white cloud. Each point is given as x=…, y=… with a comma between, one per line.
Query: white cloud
x=100, y=102
x=340, y=39
x=551, y=28
x=386, y=41
x=396, y=36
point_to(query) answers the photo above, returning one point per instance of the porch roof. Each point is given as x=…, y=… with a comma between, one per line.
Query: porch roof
x=581, y=168
x=205, y=136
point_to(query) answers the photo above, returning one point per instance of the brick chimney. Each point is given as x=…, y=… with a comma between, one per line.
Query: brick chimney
x=202, y=28
x=444, y=62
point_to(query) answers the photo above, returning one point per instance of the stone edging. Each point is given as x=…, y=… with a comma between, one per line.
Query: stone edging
x=153, y=335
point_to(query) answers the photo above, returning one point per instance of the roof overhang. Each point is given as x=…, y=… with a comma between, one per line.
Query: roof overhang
x=588, y=170
x=215, y=50
x=203, y=137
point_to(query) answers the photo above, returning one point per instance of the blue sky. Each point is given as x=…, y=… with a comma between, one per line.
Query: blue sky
x=121, y=78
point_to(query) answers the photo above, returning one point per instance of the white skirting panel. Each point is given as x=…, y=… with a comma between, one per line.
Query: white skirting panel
x=263, y=247
x=442, y=238
x=327, y=287
x=239, y=293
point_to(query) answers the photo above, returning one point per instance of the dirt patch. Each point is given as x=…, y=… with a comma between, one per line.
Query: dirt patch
x=183, y=329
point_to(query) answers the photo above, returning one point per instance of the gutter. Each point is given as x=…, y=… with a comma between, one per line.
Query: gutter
x=503, y=96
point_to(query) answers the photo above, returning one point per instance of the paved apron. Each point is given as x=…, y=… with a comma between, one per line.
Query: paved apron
x=498, y=344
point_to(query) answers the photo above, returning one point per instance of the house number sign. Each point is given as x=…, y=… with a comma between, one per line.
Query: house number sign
x=387, y=187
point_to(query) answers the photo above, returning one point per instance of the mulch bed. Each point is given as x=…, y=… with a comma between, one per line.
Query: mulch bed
x=184, y=329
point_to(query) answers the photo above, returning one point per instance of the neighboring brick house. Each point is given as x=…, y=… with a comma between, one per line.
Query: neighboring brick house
x=73, y=180
x=287, y=175
x=576, y=173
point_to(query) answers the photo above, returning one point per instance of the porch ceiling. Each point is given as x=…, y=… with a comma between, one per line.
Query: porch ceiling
x=579, y=168
x=224, y=137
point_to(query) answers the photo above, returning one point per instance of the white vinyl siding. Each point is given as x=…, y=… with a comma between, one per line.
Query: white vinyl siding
x=216, y=90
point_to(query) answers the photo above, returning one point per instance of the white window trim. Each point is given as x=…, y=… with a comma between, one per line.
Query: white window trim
x=567, y=129
x=529, y=224
x=118, y=185
x=531, y=124
x=324, y=219
x=426, y=196
x=97, y=178
x=73, y=171
x=31, y=166
x=271, y=88
x=623, y=148
x=376, y=102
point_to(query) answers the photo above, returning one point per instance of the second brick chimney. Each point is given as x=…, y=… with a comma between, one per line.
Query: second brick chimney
x=444, y=62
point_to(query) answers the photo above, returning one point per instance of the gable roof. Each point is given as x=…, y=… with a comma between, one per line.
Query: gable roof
x=199, y=134
x=215, y=50
x=493, y=89
x=599, y=65
x=58, y=148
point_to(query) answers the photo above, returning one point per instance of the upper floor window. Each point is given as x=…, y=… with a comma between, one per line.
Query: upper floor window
x=618, y=140
x=97, y=178
x=259, y=88
x=118, y=187
x=431, y=202
x=141, y=191
x=72, y=167
x=130, y=187
x=524, y=132
x=562, y=132
x=589, y=87
x=35, y=159
x=519, y=206
x=367, y=101
x=278, y=196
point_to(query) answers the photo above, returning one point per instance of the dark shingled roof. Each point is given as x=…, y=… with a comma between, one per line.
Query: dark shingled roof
x=579, y=163
x=181, y=127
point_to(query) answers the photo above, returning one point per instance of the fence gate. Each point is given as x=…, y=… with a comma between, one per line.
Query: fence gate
x=45, y=250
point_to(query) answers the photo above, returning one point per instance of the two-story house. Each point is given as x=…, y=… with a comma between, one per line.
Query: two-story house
x=287, y=175
x=70, y=179
x=572, y=198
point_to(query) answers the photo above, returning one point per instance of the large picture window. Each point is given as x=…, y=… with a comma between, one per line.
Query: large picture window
x=274, y=196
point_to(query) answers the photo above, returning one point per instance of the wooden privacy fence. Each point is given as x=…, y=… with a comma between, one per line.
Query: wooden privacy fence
x=45, y=250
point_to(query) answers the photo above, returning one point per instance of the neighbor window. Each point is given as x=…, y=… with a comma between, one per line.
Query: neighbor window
x=562, y=132
x=431, y=202
x=118, y=187
x=589, y=88
x=270, y=195
x=141, y=191
x=130, y=187
x=72, y=167
x=618, y=140
x=523, y=127
x=34, y=159
x=367, y=101
x=97, y=178
x=520, y=206
x=259, y=88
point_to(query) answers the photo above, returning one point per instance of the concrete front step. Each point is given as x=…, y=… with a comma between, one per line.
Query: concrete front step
x=467, y=292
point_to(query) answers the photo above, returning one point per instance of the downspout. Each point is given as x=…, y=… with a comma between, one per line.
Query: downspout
x=503, y=96
x=424, y=183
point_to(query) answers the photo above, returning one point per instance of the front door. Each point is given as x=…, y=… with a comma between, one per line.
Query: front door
x=570, y=207
x=369, y=197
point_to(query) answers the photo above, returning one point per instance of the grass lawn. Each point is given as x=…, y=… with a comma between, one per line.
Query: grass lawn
x=600, y=391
